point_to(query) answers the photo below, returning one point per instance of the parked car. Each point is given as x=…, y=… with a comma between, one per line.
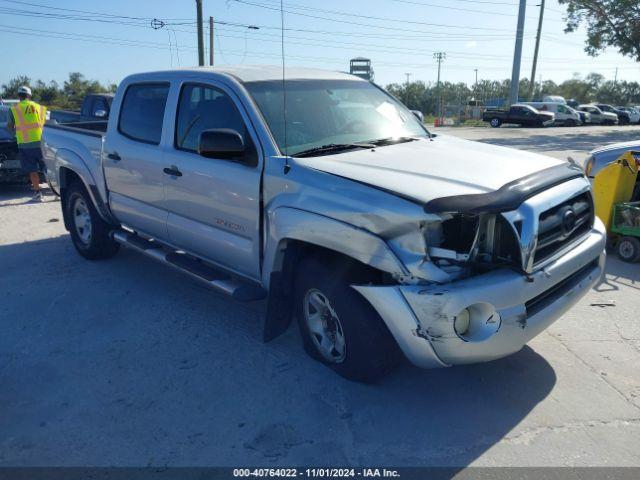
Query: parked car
x=633, y=112
x=10, y=170
x=585, y=117
x=598, y=116
x=518, y=114
x=379, y=237
x=603, y=156
x=623, y=117
x=554, y=99
x=95, y=106
x=564, y=115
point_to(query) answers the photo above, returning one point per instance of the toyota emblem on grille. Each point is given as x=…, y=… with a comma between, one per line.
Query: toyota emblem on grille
x=568, y=221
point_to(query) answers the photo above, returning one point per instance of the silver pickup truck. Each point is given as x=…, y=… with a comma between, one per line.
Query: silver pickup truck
x=335, y=203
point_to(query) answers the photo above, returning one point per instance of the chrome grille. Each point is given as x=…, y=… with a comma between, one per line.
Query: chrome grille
x=562, y=224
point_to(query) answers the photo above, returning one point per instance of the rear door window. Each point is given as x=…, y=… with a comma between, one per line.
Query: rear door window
x=142, y=112
x=99, y=104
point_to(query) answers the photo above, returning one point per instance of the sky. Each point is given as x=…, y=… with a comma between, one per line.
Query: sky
x=109, y=39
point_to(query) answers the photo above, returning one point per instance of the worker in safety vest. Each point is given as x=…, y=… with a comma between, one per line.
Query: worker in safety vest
x=27, y=121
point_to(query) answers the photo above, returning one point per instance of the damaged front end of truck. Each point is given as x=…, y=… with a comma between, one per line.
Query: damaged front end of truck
x=494, y=269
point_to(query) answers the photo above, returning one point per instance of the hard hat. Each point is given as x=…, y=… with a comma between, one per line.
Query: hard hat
x=24, y=90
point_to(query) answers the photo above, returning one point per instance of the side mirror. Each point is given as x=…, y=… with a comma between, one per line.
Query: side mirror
x=418, y=115
x=221, y=143
x=100, y=113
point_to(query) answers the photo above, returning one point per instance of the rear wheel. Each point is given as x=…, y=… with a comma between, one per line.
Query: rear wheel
x=89, y=233
x=628, y=249
x=570, y=122
x=495, y=122
x=339, y=327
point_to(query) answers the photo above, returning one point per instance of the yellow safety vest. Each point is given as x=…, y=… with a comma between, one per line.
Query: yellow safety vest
x=29, y=118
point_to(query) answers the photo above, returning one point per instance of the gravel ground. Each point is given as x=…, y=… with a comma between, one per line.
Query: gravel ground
x=126, y=362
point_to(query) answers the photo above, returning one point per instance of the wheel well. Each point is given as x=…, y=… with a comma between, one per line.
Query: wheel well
x=67, y=177
x=281, y=285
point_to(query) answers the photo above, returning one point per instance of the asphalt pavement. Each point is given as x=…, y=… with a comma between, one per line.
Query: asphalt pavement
x=125, y=362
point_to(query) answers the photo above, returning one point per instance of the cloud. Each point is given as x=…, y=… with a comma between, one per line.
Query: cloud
x=472, y=44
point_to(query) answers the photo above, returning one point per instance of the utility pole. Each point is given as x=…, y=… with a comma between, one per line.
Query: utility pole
x=200, y=33
x=517, y=55
x=211, y=41
x=408, y=77
x=475, y=87
x=439, y=56
x=406, y=88
x=532, y=80
x=615, y=79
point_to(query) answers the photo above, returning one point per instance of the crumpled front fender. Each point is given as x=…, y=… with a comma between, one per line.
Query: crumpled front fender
x=287, y=223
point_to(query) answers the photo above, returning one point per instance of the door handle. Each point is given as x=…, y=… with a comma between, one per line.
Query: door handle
x=114, y=156
x=173, y=171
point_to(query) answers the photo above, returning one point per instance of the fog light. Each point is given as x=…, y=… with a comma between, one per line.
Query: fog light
x=477, y=322
x=461, y=322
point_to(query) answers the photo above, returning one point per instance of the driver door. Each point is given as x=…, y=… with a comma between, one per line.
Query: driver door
x=214, y=204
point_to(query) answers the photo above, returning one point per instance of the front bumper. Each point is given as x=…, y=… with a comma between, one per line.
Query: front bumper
x=421, y=318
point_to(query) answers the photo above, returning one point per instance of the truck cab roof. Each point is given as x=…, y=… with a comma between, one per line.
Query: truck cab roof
x=253, y=73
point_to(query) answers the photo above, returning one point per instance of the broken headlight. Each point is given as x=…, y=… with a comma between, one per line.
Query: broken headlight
x=475, y=241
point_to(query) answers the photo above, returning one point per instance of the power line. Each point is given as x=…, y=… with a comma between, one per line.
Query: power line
x=370, y=17
x=19, y=2
x=485, y=12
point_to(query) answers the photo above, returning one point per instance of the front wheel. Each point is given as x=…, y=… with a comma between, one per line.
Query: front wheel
x=495, y=122
x=628, y=249
x=339, y=327
x=89, y=233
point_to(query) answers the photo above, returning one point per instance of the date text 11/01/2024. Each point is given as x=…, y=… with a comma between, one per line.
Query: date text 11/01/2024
x=317, y=472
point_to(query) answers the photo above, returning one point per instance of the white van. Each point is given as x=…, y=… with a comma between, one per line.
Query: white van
x=554, y=99
x=565, y=115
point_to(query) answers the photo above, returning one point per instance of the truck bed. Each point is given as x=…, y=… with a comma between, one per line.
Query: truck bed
x=95, y=128
x=79, y=144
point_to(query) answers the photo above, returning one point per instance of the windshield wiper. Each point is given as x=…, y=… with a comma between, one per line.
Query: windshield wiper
x=332, y=148
x=380, y=142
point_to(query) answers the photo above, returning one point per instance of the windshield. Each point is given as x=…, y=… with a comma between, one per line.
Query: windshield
x=330, y=112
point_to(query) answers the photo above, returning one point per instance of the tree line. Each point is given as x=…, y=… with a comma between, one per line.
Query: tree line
x=423, y=96
x=69, y=95
x=416, y=95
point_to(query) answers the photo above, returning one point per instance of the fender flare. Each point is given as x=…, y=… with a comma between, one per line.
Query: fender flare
x=286, y=226
x=66, y=159
x=289, y=223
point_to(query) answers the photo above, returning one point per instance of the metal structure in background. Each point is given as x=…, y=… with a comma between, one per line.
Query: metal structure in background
x=535, y=54
x=361, y=67
x=439, y=56
x=200, y=33
x=211, y=41
x=517, y=55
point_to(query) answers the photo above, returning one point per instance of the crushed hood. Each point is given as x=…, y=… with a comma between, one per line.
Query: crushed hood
x=425, y=170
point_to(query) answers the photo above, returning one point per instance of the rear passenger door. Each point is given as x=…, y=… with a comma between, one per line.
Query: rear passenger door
x=214, y=203
x=133, y=164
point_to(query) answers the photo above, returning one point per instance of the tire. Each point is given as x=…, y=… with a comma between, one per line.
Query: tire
x=628, y=249
x=495, y=122
x=365, y=351
x=89, y=233
x=570, y=123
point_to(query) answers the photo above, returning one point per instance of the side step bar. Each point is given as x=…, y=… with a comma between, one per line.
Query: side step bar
x=210, y=276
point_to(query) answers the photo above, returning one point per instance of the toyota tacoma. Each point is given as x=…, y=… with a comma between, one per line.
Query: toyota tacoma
x=325, y=195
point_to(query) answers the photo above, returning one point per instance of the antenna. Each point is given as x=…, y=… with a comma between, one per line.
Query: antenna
x=287, y=167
